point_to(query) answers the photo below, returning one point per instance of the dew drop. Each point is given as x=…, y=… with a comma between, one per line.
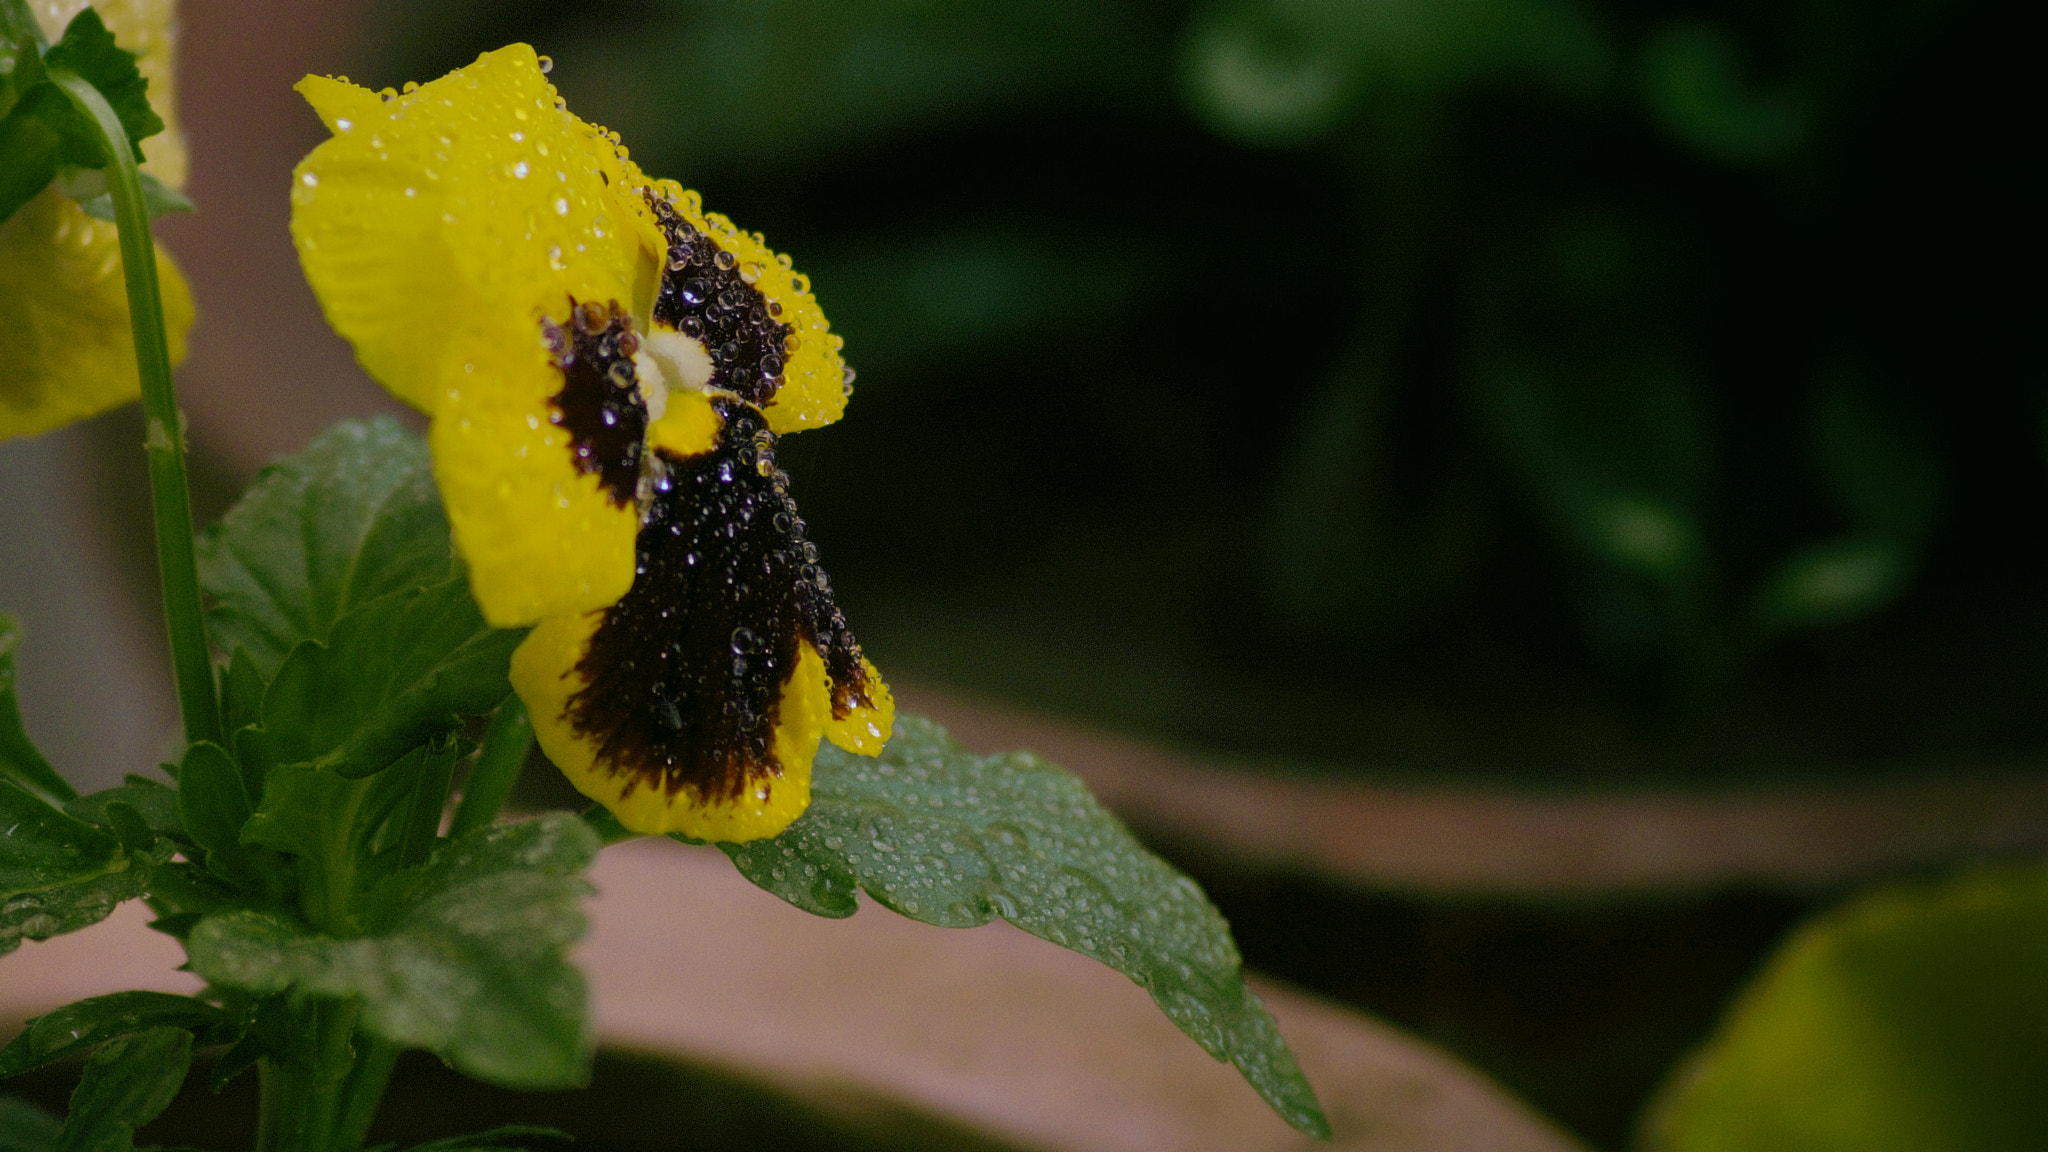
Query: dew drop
x=343, y=125
x=520, y=170
x=309, y=180
x=546, y=64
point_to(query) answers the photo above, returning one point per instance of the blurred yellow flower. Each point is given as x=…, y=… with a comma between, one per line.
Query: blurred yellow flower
x=68, y=352
x=607, y=368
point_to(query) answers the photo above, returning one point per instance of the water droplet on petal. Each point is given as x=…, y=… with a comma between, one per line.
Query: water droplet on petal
x=546, y=65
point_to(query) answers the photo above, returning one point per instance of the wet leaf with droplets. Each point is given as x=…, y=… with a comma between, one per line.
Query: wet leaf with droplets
x=352, y=518
x=467, y=957
x=57, y=874
x=76, y=1027
x=954, y=839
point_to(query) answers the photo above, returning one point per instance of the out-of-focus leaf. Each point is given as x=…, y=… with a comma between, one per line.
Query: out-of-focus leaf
x=946, y=837
x=1914, y=1019
x=1834, y=582
x=1287, y=71
x=126, y=1083
x=1875, y=457
x=947, y=292
x=353, y=518
x=467, y=957
x=1577, y=372
x=27, y=1128
x=1693, y=80
x=769, y=83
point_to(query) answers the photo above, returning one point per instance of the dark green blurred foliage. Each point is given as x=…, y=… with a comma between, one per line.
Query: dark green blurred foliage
x=1308, y=378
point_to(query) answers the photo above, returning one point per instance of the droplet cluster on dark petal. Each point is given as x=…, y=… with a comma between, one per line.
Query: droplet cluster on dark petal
x=599, y=405
x=705, y=295
x=684, y=674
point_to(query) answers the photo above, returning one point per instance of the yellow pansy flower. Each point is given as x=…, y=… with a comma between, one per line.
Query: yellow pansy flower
x=68, y=352
x=607, y=368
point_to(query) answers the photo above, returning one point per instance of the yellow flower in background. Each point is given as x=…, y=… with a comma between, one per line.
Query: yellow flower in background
x=607, y=368
x=67, y=352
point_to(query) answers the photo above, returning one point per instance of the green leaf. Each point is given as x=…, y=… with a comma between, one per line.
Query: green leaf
x=396, y=673
x=211, y=798
x=353, y=518
x=76, y=1027
x=27, y=1128
x=21, y=44
x=156, y=805
x=241, y=692
x=158, y=198
x=88, y=50
x=20, y=762
x=57, y=874
x=467, y=957
x=126, y=1083
x=1914, y=1019
x=28, y=150
x=333, y=824
x=953, y=839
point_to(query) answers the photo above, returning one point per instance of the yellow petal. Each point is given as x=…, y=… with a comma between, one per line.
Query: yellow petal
x=689, y=426
x=814, y=388
x=865, y=731
x=68, y=352
x=540, y=538
x=465, y=209
x=545, y=676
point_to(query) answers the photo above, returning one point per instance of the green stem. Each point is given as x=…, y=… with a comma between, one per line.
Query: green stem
x=304, y=1089
x=429, y=800
x=496, y=769
x=375, y=1059
x=165, y=444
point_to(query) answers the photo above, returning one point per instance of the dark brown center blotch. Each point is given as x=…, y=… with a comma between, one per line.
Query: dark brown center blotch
x=599, y=405
x=685, y=673
x=705, y=295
